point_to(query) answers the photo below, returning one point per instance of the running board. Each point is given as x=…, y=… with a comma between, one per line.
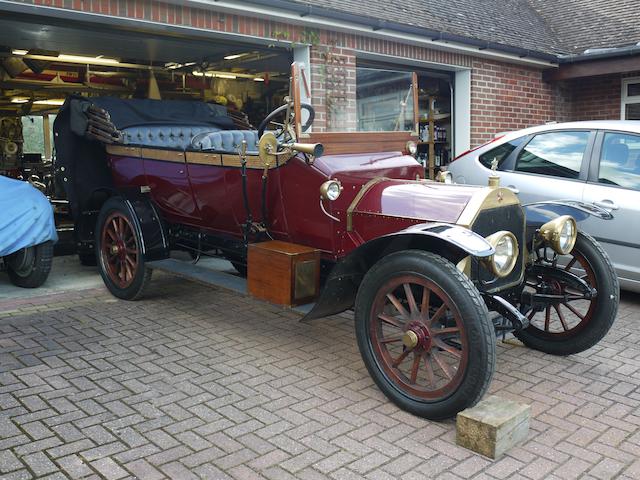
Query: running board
x=211, y=277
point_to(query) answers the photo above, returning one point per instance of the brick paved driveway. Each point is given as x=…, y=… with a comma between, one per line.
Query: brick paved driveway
x=194, y=382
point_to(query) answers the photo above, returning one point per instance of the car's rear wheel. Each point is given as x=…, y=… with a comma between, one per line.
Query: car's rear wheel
x=30, y=267
x=119, y=251
x=575, y=323
x=424, y=334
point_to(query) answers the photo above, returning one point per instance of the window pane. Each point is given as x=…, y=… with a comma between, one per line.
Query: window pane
x=632, y=111
x=620, y=160
x=633, y=89
x=33, y=134
x=384, y=100
x=558, y=154
x=500, y=153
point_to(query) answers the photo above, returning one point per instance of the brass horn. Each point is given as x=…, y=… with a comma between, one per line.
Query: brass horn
x=314, y=149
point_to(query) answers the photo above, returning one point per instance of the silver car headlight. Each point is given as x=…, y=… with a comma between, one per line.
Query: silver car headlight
x=502, y=262
x=560, y=234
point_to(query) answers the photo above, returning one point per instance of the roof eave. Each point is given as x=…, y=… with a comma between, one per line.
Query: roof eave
x=627, y=51
x=377, y=24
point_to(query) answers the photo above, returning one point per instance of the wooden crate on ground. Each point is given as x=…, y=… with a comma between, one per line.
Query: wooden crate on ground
x=283, y=273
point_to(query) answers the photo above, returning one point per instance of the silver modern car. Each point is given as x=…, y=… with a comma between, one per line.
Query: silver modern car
x=596, y=162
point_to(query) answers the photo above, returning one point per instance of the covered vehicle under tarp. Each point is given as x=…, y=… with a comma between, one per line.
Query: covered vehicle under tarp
x=26, y=216
x=84, y=125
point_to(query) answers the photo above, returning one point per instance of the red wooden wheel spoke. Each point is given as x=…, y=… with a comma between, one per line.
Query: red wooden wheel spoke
x=424, y=307
x=436, y=316
x=414, y=368
x=574, y=311
x=561, y=317
x=570, y=264
x=112, y=235
x=402, y=356
x=391, y=320
x=429, y=369
x=129, y=261
x=413, y=306
x=442, y=331
x=396, y=303
x=391, y=339
x=443, y=365
x=115, y=228
x=447, y=348
x=547, y=318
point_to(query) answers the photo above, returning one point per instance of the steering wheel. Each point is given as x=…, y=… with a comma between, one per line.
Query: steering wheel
x=280, y=132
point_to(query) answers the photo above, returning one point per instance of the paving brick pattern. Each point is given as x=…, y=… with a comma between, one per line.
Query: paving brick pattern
x=193, y=382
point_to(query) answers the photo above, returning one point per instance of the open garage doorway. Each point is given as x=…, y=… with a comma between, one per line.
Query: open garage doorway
x=43, y=61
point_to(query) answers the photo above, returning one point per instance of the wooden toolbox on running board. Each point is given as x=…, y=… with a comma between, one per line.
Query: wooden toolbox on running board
x=283, y=273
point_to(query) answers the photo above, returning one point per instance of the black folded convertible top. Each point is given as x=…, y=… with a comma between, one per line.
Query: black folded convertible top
x=134, y=112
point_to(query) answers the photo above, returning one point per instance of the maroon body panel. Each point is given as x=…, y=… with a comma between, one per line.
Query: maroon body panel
x=171, y=190
x=210, y=197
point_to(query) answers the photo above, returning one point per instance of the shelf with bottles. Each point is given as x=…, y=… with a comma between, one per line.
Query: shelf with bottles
x=429, y=134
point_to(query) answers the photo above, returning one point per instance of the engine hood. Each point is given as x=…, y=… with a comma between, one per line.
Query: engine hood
x=416, y=200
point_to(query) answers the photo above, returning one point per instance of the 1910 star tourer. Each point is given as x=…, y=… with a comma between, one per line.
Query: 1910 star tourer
x=422, y=263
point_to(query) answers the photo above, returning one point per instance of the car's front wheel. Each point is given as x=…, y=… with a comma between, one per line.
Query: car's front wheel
x=119, y=251
x=572, y=323
x=30, y=267
x=424, y=334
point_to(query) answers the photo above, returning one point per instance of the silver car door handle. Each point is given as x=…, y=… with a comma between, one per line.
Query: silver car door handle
x=607, y=204
x=513, y=189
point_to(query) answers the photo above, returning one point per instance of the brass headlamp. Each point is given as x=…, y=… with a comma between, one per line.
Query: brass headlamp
x=504, y=258
x=560, y=234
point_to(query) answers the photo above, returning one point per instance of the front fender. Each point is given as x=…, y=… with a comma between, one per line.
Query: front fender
x=341, y=286
x=539, y=213
x=459, y=237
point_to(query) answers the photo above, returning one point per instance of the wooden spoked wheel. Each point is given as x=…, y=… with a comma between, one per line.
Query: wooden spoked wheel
x=418, y=337
x=424, y=334
x=570, y=315
x=119, y=250
x=573, y=320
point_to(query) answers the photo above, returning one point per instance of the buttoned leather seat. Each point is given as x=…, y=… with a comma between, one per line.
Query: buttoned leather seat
x=228, y=141
x=177, y=137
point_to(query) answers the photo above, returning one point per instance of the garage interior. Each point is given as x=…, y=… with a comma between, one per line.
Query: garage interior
x=44, y=61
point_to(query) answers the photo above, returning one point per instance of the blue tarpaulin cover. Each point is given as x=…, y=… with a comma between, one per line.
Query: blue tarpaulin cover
x=26, y=216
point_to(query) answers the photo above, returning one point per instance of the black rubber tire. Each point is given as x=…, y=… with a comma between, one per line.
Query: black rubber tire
x=474, y=314
x=88, y=259
x=143, y=274
x=603, y=316
x=38, y=272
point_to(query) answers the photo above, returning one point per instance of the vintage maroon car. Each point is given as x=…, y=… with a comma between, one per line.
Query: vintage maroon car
x=422, y=263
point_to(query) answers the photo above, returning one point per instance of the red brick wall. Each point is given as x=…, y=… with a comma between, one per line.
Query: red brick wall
x=595, y=98
x=508, y=97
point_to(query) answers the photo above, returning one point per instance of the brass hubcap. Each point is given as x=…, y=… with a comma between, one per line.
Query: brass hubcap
x=410, y=339
x=115, y=249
